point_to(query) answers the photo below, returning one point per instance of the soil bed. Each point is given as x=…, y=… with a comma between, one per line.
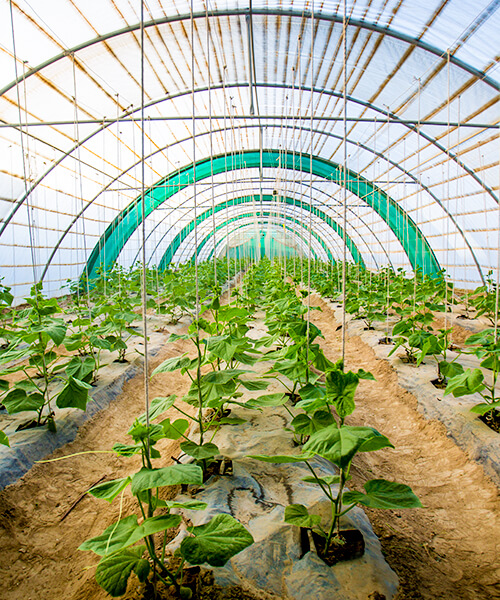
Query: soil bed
x=351, y=545
x=493, y=421
x=449, y=552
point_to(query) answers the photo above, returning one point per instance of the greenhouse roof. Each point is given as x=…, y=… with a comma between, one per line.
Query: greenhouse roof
x=97, y=102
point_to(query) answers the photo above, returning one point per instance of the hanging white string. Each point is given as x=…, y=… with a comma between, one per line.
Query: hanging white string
x=80, y=188
x=417, y=198
x=388, y=294
x=344, y=169
x=143, y=232
x=311, y=149
x=445, y=275
x=24, y=158
x=209, y=75
x=498, y=259
x=193, y=126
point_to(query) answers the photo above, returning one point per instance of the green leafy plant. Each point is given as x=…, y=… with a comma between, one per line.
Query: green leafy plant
x=38, y=332
x=221, y=351
x=339, y=443
x=129, y=546
x=470, y=381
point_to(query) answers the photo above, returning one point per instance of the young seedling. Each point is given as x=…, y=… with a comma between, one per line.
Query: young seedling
x=37, y=333
x=127, y=546
x=339, y=443
x=471, y=381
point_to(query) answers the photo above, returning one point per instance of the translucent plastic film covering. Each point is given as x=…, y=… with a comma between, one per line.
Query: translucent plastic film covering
x=399, y=99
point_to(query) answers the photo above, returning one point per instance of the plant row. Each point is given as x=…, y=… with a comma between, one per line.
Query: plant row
x=220, y=366
x=52, y=349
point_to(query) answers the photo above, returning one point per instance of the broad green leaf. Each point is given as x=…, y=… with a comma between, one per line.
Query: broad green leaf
x=27, y=385
x=216, y=542
x=157, y=407
x=207, y=450
x=483, y=338
x=187, y=505
x=113, y=571
x=175, y=336
x=4, y=440
x=339, y=445
x=80, y=367
x=172, y=364
x=469, y=382
x=297, y=514
x=109, y=490
x=381, y=493
x=281, y=459
x=113, y=538
x=175, y=430
x=14, y=354
x=267, y=400
x=221, y=347
x=18, y=401
x=223, y=376
x=306, y=425
x=127, y=449
x=232, y=313
x=484, y=407
x=322, y=363
x=155, y=525
x=362, y=374
x=55, y=329
x=312, y=392
x=491, y=362
x=127, y=532
x=140, y=431
x=340, y=390
x=329, y=480
x=147, y=479
x=450, y=369
x=254, y=385
x=75, y=394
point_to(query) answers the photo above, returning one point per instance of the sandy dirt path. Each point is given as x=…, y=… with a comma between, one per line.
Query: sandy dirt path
x=449, y=551
x=38, y=543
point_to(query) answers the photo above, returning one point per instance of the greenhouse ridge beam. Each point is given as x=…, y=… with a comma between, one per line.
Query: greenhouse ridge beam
x=199, y=117
x=181, y=236
x=417, y=249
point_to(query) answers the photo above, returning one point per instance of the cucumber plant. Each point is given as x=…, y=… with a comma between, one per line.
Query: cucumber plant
x=38, y=332
x=340, y=443
x=223, y=349
x=129, y=546
x=463, y=382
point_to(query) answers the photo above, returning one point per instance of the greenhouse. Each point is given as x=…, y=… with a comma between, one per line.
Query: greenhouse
x=250, y=299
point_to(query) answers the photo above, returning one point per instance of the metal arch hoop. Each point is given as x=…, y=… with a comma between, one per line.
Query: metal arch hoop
x=418, y=43
x=321, y=203
x=75, y=219
x=325, y=92
x=181, y=236
x=210, y=234
x=123, y=225
x=480, y=75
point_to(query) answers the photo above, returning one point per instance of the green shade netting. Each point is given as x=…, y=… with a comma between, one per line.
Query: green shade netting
x=181, y=236
x=119, y=231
